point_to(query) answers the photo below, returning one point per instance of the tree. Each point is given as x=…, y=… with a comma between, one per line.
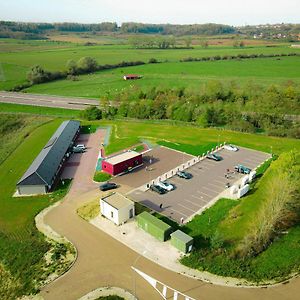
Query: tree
x=37, y=75
x=91, y=113
x=188, y=41
x=71, y=67
x=87, y=64
x=204, y=43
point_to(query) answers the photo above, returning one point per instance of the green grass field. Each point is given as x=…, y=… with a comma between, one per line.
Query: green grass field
x=263, y=71
x=17, y=57
x=38, y=110
x=125, y=134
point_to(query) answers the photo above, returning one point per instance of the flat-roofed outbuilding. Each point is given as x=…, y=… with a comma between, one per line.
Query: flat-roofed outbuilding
x=122, y=162
x=117, y=208
x=45, y=169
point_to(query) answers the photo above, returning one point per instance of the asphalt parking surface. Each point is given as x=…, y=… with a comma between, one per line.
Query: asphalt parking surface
x=208, y=182
x=162, y=160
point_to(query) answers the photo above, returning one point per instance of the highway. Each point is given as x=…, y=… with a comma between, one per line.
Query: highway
x=47, y=101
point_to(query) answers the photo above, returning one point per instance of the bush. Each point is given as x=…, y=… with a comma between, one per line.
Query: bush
x=91, y=113
x=101, y=176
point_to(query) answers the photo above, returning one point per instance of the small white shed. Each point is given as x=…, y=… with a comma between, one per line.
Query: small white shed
x=117, y=208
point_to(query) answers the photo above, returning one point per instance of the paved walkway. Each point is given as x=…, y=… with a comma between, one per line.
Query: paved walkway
x=103, y=261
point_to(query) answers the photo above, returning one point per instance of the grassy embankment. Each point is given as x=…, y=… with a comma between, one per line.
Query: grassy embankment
x=22, y=263
x=39, y=110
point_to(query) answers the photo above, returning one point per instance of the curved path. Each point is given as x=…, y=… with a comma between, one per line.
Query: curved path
x=103, y=261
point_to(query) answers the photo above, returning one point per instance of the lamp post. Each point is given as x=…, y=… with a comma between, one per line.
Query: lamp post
x=271, y=151
x=133, y=265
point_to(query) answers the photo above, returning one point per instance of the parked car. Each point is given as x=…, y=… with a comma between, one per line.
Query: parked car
x=242, y=169
x=183, y=174
x=81, y=146
x=214, y=156
x=78, y=150
x=231, y=147
x=108, y=186
x=156, y=188
x=166, y=185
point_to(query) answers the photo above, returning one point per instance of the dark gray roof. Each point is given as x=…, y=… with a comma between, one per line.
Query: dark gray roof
x=45, y=165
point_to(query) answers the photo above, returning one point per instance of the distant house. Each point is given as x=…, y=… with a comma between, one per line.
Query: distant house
x=45, y=169
x=117, y=208
x=131, y=77
x=122, y=162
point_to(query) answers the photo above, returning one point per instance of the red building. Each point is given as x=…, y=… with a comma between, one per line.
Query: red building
x=131, y=77
x=123, y=162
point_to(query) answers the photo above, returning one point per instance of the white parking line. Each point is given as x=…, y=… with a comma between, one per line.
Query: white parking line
x=186, y=200
x=210, y=196
x=180, y=213
x=215, y=185
x=219, y=181
x=198, y=198
x=209, y=189
x=186, y=208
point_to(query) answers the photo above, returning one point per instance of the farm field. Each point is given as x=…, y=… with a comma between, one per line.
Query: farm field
x=263, y=71
x=15, y=61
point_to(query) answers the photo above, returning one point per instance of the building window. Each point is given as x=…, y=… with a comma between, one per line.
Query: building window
x=111, y=214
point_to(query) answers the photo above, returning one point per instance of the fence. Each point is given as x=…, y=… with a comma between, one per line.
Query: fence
x=181, y=167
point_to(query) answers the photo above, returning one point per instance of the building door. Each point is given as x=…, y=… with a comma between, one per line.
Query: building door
x=130, y=213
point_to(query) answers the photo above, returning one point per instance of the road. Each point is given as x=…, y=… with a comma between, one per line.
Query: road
x=47, y=101
x=104, y=261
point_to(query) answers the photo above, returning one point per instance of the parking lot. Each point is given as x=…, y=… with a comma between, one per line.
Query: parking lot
x=155, y=162
x=208, y=182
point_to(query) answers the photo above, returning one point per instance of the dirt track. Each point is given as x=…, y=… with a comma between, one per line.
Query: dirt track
x=103, y=261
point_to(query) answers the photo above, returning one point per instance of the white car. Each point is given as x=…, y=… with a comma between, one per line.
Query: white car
x=231, y=147
x=166, y=185
x=82, y=146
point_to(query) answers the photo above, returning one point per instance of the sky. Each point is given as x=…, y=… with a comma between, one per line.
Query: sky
x=231, y=12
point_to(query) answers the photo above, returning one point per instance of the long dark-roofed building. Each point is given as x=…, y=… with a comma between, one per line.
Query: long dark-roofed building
x=43, y=172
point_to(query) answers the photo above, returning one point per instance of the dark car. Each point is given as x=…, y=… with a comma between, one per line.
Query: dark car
x=183, y=174
x=242, y=169
x=108, y=186
x=157, y=189
x=214, y=156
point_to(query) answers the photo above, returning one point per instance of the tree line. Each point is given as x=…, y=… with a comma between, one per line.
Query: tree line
x=126, y=27
x=249, y=109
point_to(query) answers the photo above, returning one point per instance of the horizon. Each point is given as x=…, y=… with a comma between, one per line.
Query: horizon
x=172, y=12
x=147, y=23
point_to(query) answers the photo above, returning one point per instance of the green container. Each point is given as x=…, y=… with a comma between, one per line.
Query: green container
x=154, y=226
x=182, y=241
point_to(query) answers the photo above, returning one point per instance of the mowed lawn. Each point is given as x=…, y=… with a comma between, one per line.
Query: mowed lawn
x=125, y=134
x=53, y=56
x=264, y=71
